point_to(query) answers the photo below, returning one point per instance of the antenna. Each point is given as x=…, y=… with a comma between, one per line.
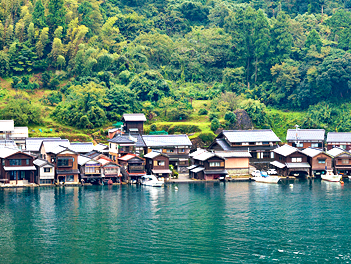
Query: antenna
x=296, y=130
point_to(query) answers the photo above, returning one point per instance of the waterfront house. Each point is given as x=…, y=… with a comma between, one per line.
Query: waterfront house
x=290, y=161
x=45, y=172
x=207, y=166
x=158, y=164
x=306, y=138
x=110, y=170
x=341, y=161
x=66, y=164
x=259, y=143
x=90, y=170
x=339, y=140
x=134, y=123
x=102, y=148
x=319, y=161
x=81, y=147
x=32, y=145
x=236, y=162
x=16, y=167
x=176, y=147
x=121, y=145
x=132, y=167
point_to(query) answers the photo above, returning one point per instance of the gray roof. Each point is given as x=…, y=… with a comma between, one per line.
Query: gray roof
x=8, y=143
x=134, y=117
x=49, y=145
x=277, y=164
x=6, y=151
x=342, y=137
x=285, y=150
x=233, y=154
x=82, y=160
x=312, y=152
x=83, y=147
x=119, y=139
x=305, y=134
x=33, y=144
x=42, y=162
x=7, y=125
x=238, y=136
x=166, y=140
x=295, y=165
x=152, y=154
x=334, y=152
x=140, y=142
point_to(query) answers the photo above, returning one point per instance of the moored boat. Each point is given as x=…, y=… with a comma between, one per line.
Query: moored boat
x=151, y=180
x=264, y=177
x=330, y=176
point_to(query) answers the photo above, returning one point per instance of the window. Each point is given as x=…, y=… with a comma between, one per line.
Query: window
x=3, y=162
x=299, y=145
x=245, y=143
x=343, y=146
x=27, y=161
x=181, y=150
x=345, y=161
x=15, y=162
x=169, y=150
x=70, y=178
x=296, y=159
x=258, y=143
x=272, y=155
x=47, y=169
x=161, y=163
x=215, y=164
x=314, y=145
x=321, y=161
x=45, y=181
x=65, y=162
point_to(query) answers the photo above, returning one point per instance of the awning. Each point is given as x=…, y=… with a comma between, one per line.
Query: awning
x=68, y=172
x=196, y=170
x=161, y=171
x=343, y=167
x=216, y=172
x=19, y=168
x=295, y=165
x=191, y=167
x=278, y=164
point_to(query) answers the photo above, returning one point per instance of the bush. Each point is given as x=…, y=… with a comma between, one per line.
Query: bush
x=211, y=116
x=215, y=124
x=153, y=127
x=203, y=111
x=184, y=129
x=207, y=138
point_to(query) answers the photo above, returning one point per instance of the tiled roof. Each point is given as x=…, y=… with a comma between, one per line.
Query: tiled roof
x=294, y=165
x=128, y=157
x=50, y=146
x=123, y=139
x=312, y=152
x=238, y=136
x=8, y=144
x=335, y=152
x=204, y=156
x=83, y=147
x=100, y=147
x=166, y=140
x=278, y=164
x=134, y=117
x=6, y=151
x=198, y=169
x=233, y=154
x=305, y=134
x=339, y=137
x=152, y=154
x=42, y=162
x=7, y=125
x=82, y=160
x=33, y=144
x=197, y=152
x=285, y=150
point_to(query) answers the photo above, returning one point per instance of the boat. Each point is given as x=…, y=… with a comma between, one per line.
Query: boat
x=264, y=177
x=330, y=176
x=151, y=180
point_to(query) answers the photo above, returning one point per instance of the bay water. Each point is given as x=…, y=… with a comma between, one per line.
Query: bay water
x=235, y=222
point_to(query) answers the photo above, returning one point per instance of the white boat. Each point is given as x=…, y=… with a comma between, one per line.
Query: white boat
x=151, y=180
x=269, y=179
x=330, y=176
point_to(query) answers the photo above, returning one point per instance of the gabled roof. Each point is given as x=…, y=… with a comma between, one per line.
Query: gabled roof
x=33, y=144
x=239, y=136
x=52, y=146
x=8, y=144
x=233, y=154
x=101, y=147
x=305, y=134
x=342, y=137
x=134, y=117
x=166, y=140
x=60, y=149
x=334, y=152
x=204, y=156
x=7, y=125
x=286, y=150
x=93, y=154
x=125, y=139
x=154, y=154
x=197, y=152
x=6, y=152
x=41, y=163
x=82, y=160
x=312, y=152
x=82, y=147
x=129, y=157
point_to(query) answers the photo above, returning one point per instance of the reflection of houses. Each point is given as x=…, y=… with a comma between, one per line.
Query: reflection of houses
x=66, y=164
x=319, y=161
x=339, y=140
x=45, y=173
x=133, y=167
x=134, y=123
x=207, y=166
x=16, y=167
x=90, y=169
x=158, y=164
x=176, y=147
x=305, y=138
x=342, y=160
x=260, y=144
x=290, y=161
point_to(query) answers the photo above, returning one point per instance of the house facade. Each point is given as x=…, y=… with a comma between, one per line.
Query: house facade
x=306, y=138
x=90, y=170
x=121, y=145
x=341, y=161
x=45, y=173
x=158, y=164
x=176, y=147
x=134, y=123
x=319, y=161
x=207, y=166
x=132, y=167
x=339, y=140
x=236, y=162
x=290, y=161
x=110, y=170
x=259, y=143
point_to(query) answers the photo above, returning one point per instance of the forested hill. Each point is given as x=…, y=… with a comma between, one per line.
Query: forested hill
x=85, y=62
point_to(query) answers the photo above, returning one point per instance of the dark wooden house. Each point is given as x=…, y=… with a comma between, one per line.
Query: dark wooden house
x=90, y=170
x=319, y=161
x=341, y=161
x=158, y=164
x=306, y=138
x=16, y=167
x=339, y=140
x=134, y=123
x=207, y=166
x=132, y=167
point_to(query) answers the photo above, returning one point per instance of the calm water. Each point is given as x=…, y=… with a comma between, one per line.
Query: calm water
x=200, y=223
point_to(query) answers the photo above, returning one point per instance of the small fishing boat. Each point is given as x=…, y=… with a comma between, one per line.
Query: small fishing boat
x=151, y=180
x=330, y=176
x=264, y=177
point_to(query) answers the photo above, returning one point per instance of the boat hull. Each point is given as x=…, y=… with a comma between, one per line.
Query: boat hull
x=270, y=179
x=153, y=184
x=337, y=178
